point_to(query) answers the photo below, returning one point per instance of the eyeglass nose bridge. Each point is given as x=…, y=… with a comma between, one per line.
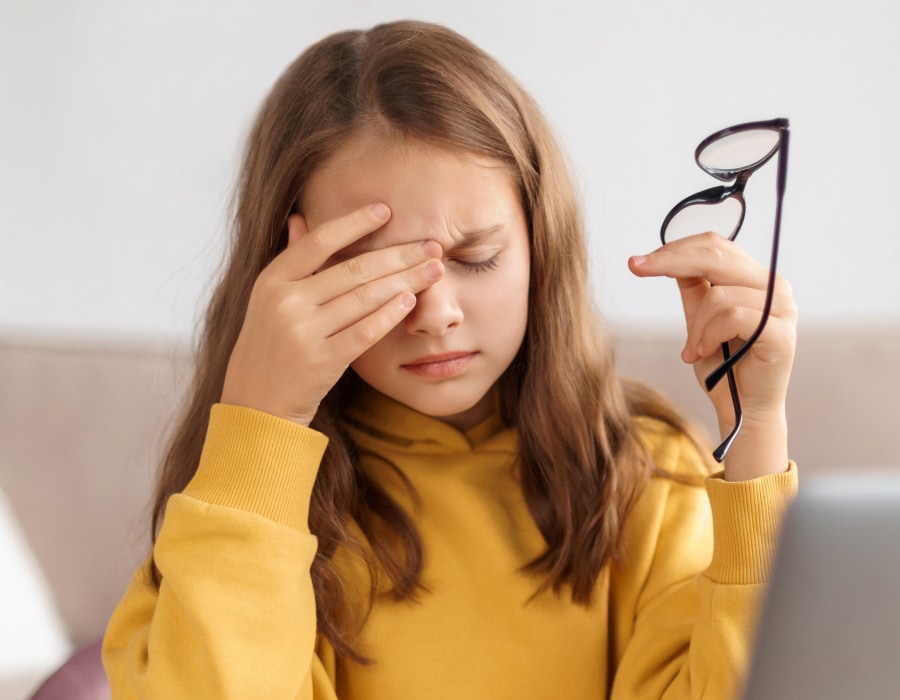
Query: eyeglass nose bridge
x=710, y=197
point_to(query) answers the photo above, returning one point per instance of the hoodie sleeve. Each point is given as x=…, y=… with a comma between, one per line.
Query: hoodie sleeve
x=697, y=568
x=235, y=614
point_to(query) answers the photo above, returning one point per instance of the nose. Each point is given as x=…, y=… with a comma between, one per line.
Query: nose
x=437, y=310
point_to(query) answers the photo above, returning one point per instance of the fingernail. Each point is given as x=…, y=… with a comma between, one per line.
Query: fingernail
x=380, y=211
x=407, y=300
x=434, y=269
x=638, y=260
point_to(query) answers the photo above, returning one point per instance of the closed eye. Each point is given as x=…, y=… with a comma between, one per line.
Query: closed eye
x=479, y=265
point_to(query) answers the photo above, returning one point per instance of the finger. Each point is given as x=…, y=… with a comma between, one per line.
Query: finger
x=367, y=299
x=719, y=301
x=776, y=342
x=313, y=248
x=768, y=362
x=354, y=340
x=707, y=256
x=722, y=311
x=365, y=268
x=297, y=228
x=693, y=291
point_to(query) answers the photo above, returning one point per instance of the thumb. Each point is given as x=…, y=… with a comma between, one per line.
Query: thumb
x=296, y=228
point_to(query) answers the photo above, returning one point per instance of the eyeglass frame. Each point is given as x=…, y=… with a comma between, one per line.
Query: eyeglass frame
x=720, y=193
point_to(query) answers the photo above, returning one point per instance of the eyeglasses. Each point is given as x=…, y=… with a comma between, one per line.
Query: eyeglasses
x=735, y=154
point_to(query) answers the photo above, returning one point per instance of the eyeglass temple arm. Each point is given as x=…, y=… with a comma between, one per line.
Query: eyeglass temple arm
x=722, y=450
x=716, y=376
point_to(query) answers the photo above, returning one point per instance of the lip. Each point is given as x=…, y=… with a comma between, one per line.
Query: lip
x=440, y=366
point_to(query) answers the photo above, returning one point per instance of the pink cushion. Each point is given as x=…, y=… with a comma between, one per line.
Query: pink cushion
x=80, y=678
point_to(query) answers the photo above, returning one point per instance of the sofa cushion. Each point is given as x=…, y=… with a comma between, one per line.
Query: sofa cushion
x=84, y=423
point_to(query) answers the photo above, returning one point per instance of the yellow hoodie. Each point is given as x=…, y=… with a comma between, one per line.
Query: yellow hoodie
x=235, y=615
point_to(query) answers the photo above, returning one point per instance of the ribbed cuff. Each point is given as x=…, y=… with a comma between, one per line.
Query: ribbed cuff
x=256, y=462
x=747, y=519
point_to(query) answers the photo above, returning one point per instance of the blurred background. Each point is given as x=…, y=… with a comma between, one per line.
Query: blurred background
x=122, y=125
x=121, y=129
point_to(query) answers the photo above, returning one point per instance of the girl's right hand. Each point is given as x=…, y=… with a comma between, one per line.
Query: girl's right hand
x=308, y=319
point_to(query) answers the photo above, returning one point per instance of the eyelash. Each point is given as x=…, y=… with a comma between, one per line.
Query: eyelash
x=481, y=265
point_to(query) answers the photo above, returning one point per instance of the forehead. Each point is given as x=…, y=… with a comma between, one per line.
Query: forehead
x=449, y=196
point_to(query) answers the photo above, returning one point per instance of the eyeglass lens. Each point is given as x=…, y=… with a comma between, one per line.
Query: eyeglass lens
x=728, y=155
x=722, y=216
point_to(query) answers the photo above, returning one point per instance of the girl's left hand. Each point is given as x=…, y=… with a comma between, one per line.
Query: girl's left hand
x=723, y=292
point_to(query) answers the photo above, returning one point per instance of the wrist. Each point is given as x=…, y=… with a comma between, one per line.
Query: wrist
x=760, y=448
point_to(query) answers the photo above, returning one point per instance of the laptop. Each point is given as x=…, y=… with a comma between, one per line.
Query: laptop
x=830, y=623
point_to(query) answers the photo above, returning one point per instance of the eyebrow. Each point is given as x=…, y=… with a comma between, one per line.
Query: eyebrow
x=476, y=236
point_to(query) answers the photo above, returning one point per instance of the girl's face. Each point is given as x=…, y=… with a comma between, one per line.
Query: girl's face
x=446, y=356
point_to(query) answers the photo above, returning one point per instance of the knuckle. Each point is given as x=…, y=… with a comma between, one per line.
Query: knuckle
x=736, y=314
x=285, y=310
x=717, y=296
x=789, y=309
x=365, y=336
x=265, y=288
x=298, y=339
x=718, y=254
x=410, y=255
x=319, y=242
x=729, y=320
x=358, y=267
x=794, y=309
x=784, y=294
x=783, y=286
x=364, y=295
x=716, y=247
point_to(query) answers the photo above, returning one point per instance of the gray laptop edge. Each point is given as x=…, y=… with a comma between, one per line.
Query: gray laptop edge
x=830, y=624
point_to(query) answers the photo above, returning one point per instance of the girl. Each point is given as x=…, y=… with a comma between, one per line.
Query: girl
x=407, y=468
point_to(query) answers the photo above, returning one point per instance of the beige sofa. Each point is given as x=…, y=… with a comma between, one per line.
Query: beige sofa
x=83, y=422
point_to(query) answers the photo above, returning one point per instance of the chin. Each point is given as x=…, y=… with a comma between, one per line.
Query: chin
x=461, y=413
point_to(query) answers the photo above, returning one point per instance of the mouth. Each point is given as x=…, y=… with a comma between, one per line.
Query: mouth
x=440, y=366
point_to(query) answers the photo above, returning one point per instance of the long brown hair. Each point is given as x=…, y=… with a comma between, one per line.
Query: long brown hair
x=582, y=463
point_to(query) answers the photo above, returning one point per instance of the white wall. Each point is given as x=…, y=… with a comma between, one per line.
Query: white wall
x=121, y=123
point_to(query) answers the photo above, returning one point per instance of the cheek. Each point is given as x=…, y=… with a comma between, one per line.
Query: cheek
x=503, y=302
x=516, y=288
